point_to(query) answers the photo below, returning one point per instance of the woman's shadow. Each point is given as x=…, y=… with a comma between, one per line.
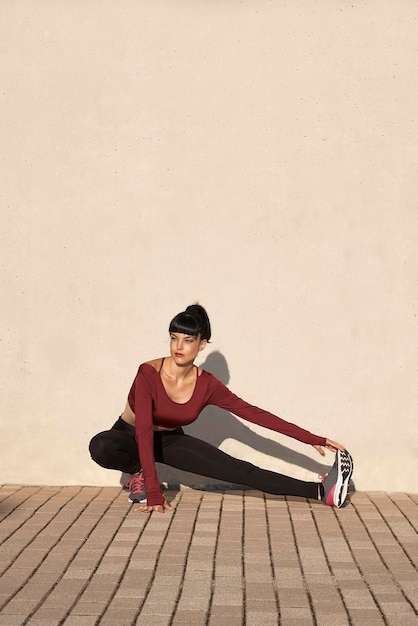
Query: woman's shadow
x=215, y=425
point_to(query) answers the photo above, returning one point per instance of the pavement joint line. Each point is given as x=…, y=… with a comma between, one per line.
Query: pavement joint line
x=300, y=562
x=186, y=557
x=357, y=563
x=270, y=551
x=327, y=560
x=215, y=551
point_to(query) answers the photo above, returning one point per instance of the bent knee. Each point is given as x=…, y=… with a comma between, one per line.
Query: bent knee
x=97, y=448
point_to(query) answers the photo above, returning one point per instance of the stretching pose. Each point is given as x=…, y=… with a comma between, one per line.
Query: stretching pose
x=169, y=393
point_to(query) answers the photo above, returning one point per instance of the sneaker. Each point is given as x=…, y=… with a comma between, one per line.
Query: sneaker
x=136, y=486
x=336, y=482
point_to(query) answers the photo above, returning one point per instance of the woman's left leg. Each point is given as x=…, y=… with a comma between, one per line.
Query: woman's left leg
x=116, y=448
x=187, y=453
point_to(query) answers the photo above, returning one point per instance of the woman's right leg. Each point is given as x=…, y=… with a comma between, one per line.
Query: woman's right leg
x=116, y=448
x=194, y=455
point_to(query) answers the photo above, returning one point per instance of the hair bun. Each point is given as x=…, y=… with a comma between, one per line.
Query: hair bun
x=194, y=321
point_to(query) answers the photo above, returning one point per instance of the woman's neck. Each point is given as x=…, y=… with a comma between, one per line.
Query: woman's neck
x=179, y=372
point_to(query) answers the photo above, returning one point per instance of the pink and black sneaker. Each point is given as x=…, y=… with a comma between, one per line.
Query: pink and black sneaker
x=135, y=484
x=336, y=482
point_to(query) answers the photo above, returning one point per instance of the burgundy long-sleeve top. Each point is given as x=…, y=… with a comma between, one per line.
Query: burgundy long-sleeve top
x=151, y=404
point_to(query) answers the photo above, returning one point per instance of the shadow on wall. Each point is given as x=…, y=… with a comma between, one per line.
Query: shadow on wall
x=214, y=425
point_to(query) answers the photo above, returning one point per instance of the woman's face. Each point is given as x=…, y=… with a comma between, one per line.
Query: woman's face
x=185, y=348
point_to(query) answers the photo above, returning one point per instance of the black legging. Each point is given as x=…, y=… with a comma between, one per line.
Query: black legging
x=117, y=449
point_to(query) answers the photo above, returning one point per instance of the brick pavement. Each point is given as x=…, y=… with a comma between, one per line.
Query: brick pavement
x=81, y=556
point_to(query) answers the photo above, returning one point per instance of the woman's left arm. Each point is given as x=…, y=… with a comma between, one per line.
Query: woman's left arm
x=333, y=446
x=221, y=396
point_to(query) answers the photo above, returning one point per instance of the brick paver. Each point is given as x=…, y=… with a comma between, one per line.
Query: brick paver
x=82, y=556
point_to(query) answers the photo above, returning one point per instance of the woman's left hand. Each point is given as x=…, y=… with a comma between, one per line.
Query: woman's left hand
x=158, y=508
x=330, y=445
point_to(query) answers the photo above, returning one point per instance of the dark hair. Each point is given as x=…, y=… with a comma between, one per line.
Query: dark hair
x=193, y=321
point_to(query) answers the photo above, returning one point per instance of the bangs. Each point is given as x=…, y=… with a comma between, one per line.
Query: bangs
x=184, y=323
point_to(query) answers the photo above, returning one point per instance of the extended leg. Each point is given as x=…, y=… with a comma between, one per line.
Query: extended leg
x=194, y=455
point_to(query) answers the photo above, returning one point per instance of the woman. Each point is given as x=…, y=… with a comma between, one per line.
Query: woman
x=169, y=393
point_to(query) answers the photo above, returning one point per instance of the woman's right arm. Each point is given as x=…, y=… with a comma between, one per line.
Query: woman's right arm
x=144, y=429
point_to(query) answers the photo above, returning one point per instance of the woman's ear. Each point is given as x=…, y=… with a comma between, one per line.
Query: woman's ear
x=203, y=344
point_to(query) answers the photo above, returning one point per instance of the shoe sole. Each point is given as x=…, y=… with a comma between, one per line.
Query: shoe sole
x=343, y=466
x=345, y=470
x=143, y=501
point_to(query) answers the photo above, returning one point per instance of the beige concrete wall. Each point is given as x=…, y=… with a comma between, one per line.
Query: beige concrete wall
x=258, y=156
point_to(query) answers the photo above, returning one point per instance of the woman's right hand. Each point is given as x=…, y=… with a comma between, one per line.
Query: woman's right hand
x=158, y=508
